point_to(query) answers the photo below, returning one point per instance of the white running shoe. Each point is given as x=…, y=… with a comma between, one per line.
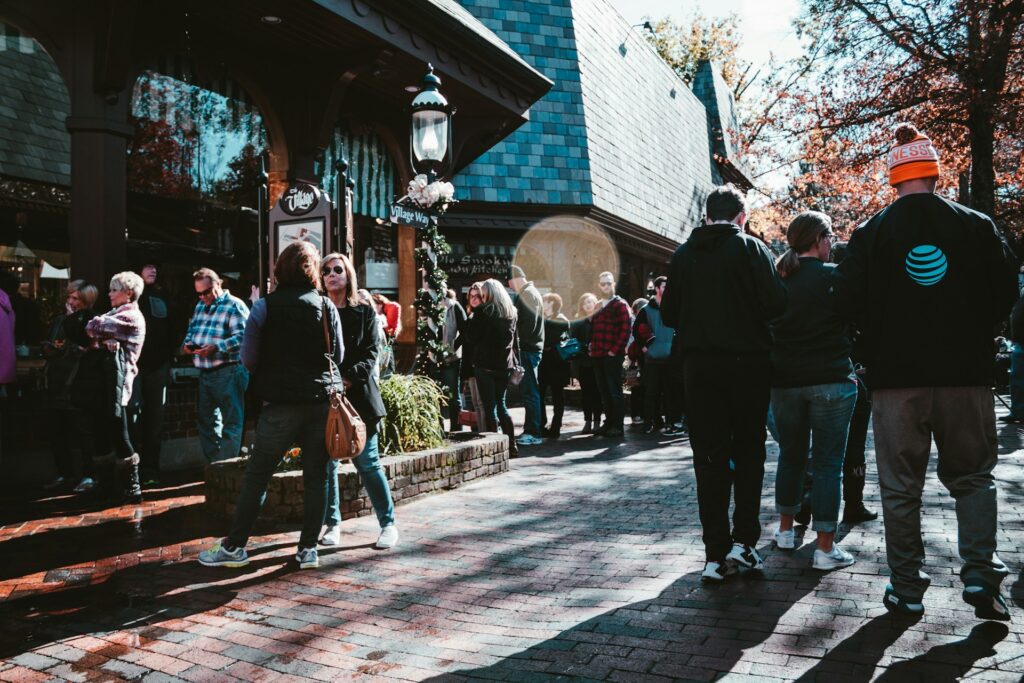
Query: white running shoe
x=307, y=558
x=87, y=484
x=717, y=571
x=836, y=559
x=388, y=537
x=745, y=555
x=332, y=536
x=785, y=540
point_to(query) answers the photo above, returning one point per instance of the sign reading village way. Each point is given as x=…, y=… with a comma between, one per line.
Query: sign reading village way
x=407, y=215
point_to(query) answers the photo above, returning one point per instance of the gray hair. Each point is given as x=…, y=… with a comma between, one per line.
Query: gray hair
x=128, y=281
x=495, y=292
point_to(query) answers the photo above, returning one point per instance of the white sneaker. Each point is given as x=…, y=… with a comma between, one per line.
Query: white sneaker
x=87, y=484
x=836, y=559
x=388, y=537
x=717, y=571
x=307, y=558
x=745, y=555
x=332, y=536
x=785, y=540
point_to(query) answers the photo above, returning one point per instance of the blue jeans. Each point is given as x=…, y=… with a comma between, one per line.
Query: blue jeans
x=281, y=425
x=1017, y=381
x=823, y=410
x=493, y=388
x=221, y=411
x=608, y=372
x=530, y=388
x=374, y=480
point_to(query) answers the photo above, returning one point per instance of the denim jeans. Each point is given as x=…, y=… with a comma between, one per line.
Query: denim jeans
x=608, y=373
x=1017, y=381
x=450, y=380
x=530, y=388
x=280, y=426
x=963, y=423
x=815, y=417
x=221, y=411
x=493, y=387
x=371, y=473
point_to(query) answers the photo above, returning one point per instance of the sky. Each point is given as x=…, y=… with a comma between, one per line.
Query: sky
x=764, y=24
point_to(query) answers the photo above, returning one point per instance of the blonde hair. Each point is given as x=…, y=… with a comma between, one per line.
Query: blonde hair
x=352, y=284
x=207, y=274
x=495, y=292
x=87, y=293
x=127, y=281
x=580, y=313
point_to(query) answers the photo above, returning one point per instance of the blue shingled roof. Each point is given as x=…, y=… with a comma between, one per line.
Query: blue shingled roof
x=619, y=130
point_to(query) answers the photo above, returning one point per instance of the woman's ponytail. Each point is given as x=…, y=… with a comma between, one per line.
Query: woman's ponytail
x=806, y=229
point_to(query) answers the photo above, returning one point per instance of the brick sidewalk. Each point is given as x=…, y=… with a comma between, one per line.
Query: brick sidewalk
x=581, y=563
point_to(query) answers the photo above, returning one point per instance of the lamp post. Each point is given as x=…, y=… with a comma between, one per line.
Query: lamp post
x=430, y=137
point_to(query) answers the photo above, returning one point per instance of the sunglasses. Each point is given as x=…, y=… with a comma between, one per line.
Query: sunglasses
x=205, y=293
x=337, y=270
x=606, y=284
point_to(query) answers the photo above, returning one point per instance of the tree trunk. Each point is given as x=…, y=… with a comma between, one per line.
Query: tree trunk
x=983, y=172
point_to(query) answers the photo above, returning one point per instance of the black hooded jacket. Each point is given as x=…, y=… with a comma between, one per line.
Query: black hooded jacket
x=722, y=290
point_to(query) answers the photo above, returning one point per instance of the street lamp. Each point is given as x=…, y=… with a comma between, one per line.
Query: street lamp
x=431, y=133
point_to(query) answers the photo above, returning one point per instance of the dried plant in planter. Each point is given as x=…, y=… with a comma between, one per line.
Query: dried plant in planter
x=413, y=421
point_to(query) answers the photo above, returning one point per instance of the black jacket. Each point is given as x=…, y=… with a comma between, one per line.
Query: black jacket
x=492, y=339
x=928, y=281
x=361, y=333
x=722, y=290
x=812, y=341
x=161, y=338
x=291, y=366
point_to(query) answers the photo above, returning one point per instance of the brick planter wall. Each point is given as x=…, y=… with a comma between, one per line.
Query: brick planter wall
x=409, y=475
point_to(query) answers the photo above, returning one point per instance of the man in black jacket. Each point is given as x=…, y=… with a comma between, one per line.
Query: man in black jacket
x=722, y=291
x=928, y=280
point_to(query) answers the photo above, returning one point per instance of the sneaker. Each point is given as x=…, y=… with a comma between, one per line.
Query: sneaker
x=218, y=556
x=388, y=537
x=307, y=558
x=529, y=440
x=1010, y=418
x=638, y=421
x=857, y=514
x=836, y=559
x=988, y=604
x=895, y=603
x=785, y=540
x=54, y=483
x=332, y=536
x=87, y=484
x=745, y=555
x=678, y=429
x=717, y=571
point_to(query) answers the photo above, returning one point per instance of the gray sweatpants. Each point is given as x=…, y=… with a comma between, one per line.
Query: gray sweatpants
x=962, y=421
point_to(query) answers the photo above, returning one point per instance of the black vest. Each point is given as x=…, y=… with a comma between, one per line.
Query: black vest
x=292, y=367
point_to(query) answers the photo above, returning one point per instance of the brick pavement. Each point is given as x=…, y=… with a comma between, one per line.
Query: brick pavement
x=582, y=563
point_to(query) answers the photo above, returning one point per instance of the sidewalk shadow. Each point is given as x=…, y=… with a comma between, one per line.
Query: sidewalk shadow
x=690, y=621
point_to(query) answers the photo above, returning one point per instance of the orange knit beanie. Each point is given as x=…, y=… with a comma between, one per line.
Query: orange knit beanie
x=913, y=156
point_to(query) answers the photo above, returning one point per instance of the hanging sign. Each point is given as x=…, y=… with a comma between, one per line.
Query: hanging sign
x=408, y=215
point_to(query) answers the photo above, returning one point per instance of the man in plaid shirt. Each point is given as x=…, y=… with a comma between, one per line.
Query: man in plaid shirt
x=610, y=328
x=214, y=339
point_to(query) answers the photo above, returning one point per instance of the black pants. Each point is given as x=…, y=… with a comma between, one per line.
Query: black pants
x=608, y=373
x=557, y=403
x=657, y=392
x=727, y=399
x=590, y=397
x=73, y=441
x=149, y=397
x=854, y=466
x=119, y=437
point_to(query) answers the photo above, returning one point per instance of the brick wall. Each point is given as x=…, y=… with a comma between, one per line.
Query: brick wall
x=410, y=476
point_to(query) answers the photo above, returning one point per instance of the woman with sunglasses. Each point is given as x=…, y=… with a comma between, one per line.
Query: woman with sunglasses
x=361, y=330
x=813, y=388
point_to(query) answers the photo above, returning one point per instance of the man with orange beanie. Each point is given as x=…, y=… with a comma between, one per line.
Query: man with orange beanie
x=928, y=280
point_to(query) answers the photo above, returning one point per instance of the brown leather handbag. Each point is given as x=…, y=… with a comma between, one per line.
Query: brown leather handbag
x=345, y=431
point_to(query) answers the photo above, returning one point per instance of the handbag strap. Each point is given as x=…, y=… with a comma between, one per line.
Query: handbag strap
x=331, y=365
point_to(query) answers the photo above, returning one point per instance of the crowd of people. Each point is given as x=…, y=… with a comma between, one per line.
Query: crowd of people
x=731, y=343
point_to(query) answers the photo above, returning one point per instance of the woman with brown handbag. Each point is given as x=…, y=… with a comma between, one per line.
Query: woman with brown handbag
x=284, y=349
x=361, y=331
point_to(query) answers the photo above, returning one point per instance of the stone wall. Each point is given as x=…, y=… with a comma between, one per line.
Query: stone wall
x=410, y=475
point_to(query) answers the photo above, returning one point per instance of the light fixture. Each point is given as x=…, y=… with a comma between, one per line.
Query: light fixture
x=270, y=19
x=431, y=131
x=412, y=88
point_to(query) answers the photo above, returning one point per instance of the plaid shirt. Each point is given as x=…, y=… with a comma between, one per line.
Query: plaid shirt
x=610, y=328
x=222, y=324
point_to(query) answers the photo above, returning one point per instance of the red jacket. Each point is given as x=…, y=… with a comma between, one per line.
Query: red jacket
x=610, y=328
x=392, y=312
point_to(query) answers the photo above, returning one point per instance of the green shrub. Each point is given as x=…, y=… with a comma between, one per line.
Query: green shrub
x=413, y=421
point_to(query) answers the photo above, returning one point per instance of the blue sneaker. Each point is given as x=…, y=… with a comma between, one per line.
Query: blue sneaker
x=307, y=558
x=217, y=556
x=987, y=603
x=895, y=603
